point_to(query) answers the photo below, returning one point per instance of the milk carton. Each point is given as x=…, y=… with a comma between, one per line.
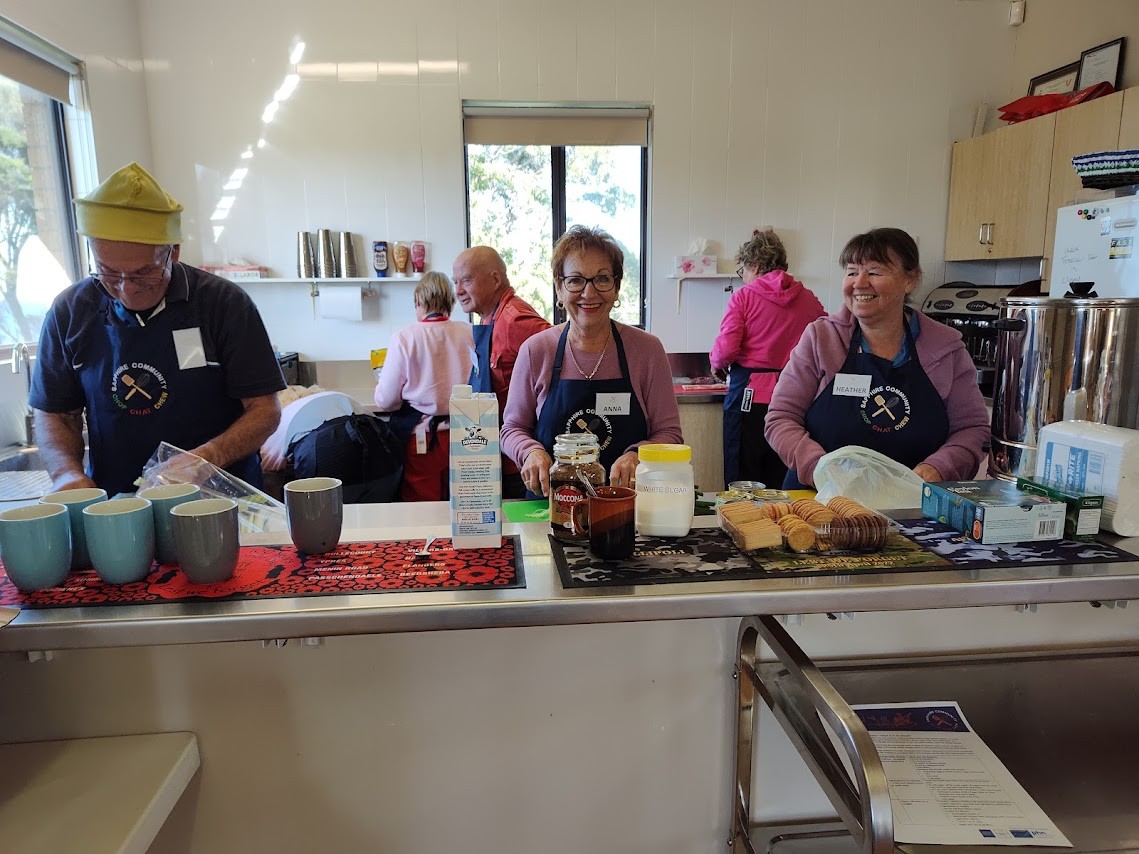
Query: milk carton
x=476, y=470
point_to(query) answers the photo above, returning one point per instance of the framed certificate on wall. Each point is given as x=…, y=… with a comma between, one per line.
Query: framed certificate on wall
x=1101, y=64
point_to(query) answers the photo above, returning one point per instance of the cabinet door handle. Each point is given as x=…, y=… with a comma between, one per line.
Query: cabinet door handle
x=989, y=233
x=981, y=233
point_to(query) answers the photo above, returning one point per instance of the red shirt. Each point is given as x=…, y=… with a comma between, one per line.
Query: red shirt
x=514, y=321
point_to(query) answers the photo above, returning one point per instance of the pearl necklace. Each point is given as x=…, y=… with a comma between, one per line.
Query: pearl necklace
x=600, y=359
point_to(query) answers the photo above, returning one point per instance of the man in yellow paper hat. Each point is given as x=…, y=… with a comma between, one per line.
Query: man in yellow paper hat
x=150, y=349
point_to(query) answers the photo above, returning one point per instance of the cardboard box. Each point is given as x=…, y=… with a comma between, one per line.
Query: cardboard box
x=476, y=470
x=237, y=273
x=1081, y=519
x=993, y=511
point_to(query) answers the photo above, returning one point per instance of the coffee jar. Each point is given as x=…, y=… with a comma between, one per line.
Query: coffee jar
x=666, y=494
x=576, y=457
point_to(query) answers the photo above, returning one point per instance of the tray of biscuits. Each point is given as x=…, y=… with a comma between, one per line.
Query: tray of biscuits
x=805, y=525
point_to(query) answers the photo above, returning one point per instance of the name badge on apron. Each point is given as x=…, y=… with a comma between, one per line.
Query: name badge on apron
x=189, y=349
x=851, y=385
x=745, y=403
x=613, y=403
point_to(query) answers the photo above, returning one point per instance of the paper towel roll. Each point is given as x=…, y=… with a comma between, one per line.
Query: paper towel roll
x=341, y=303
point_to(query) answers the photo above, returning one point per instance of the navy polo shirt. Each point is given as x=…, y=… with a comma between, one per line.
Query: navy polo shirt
x=233, y=337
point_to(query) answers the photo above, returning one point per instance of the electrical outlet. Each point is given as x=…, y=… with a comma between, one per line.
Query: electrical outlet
x=1015, y=13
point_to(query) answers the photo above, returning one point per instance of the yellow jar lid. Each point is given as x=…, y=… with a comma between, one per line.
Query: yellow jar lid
x=660, y=453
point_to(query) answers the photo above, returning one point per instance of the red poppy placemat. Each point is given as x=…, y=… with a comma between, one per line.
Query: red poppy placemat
x=273, y=572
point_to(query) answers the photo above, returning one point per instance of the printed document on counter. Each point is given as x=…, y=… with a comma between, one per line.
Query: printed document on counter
x=946, y=786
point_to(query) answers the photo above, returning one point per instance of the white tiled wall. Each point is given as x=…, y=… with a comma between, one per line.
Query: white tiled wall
x=819, y=117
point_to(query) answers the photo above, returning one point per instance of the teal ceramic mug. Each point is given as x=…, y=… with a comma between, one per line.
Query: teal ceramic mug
x=120, y=539
x=162, y=500
x=75, y=500
x=35, y=545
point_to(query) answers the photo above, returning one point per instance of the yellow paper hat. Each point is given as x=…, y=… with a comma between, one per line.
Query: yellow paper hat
x=130, y=206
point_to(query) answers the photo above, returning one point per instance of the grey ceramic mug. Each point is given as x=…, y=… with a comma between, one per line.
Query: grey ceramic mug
x=205, y=538
x=315, y=510
x=75, y=500
x=162, y=500
x=120, y=539
x=35, y=543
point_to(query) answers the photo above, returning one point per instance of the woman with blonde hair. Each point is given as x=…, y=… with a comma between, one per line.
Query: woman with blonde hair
x=424, y=360
x=763, y=323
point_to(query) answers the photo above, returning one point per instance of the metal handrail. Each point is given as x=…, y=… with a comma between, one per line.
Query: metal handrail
x=867, y=813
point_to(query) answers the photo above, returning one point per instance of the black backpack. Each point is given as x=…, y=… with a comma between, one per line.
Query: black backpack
x=360, y=450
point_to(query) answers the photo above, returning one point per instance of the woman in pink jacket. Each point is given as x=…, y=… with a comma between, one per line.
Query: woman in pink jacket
x=761, y=327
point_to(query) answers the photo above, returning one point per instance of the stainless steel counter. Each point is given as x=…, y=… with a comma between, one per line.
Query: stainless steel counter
x=543, y=601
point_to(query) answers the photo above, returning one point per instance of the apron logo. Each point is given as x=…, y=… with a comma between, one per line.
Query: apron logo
x=588, y=421
x=138, y=388
x=886, y=409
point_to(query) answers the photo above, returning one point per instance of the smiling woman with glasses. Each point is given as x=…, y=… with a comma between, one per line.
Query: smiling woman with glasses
x=589, y=375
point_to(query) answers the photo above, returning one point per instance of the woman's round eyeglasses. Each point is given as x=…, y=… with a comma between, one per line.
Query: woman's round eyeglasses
x=602, y=283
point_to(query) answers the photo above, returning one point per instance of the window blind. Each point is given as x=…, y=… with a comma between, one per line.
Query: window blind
x=509, y=124
x=31, y=61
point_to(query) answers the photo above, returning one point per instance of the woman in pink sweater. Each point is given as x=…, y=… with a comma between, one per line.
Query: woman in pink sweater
x=761, y=327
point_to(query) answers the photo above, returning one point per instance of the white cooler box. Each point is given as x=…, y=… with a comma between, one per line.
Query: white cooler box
x=1096, y=458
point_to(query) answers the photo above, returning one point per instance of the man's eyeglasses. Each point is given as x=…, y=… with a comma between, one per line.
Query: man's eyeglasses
x=111, y=278
x=602, y=283
x=740, y=272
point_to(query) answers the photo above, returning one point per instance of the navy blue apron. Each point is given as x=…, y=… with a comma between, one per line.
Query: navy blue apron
x=736, y=402
x=137, y=396
x=903, y=417
x=480, y=367
x=570, y=407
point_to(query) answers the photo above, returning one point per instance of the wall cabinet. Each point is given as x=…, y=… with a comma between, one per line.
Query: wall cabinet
x=998, y=192
x=1093, y=126
x=1129, y=123
x=1006, y=186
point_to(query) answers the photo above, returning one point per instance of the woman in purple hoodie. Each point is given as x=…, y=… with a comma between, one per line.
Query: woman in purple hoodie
x=879, y=374
x=763, y=323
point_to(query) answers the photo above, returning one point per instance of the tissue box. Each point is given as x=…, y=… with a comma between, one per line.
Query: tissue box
x=1096, y=458
x=694, y=265
x=993, y=511
x=1081, y=519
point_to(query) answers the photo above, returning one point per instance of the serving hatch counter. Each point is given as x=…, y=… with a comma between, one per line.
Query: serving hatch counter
x=498, y=719
x=543, y=600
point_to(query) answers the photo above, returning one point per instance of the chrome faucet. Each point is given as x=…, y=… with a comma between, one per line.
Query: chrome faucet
x=22, y=363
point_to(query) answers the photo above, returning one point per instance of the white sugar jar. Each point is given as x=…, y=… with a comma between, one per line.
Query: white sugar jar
x=666, y=494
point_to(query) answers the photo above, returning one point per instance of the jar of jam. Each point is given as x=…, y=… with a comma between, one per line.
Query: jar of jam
x=575, y=456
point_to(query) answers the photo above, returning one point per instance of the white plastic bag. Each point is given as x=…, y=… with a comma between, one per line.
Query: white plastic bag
x=868, y=477
x=256, y=511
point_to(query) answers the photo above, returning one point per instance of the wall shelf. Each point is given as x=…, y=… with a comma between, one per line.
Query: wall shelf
x=320, y=280
x=680, y=282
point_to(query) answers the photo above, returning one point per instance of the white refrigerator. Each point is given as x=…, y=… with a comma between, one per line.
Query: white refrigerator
x=1097, y=242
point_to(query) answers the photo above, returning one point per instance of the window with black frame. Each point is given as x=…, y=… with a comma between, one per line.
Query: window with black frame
x=535, y=171
x=39, y=254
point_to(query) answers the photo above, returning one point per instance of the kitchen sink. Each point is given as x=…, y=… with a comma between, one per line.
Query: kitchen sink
x=23, y=476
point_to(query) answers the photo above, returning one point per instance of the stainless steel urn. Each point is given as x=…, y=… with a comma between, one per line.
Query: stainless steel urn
x=1060, y=360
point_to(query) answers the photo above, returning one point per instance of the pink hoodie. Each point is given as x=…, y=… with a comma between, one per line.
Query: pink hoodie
x=763, y=323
